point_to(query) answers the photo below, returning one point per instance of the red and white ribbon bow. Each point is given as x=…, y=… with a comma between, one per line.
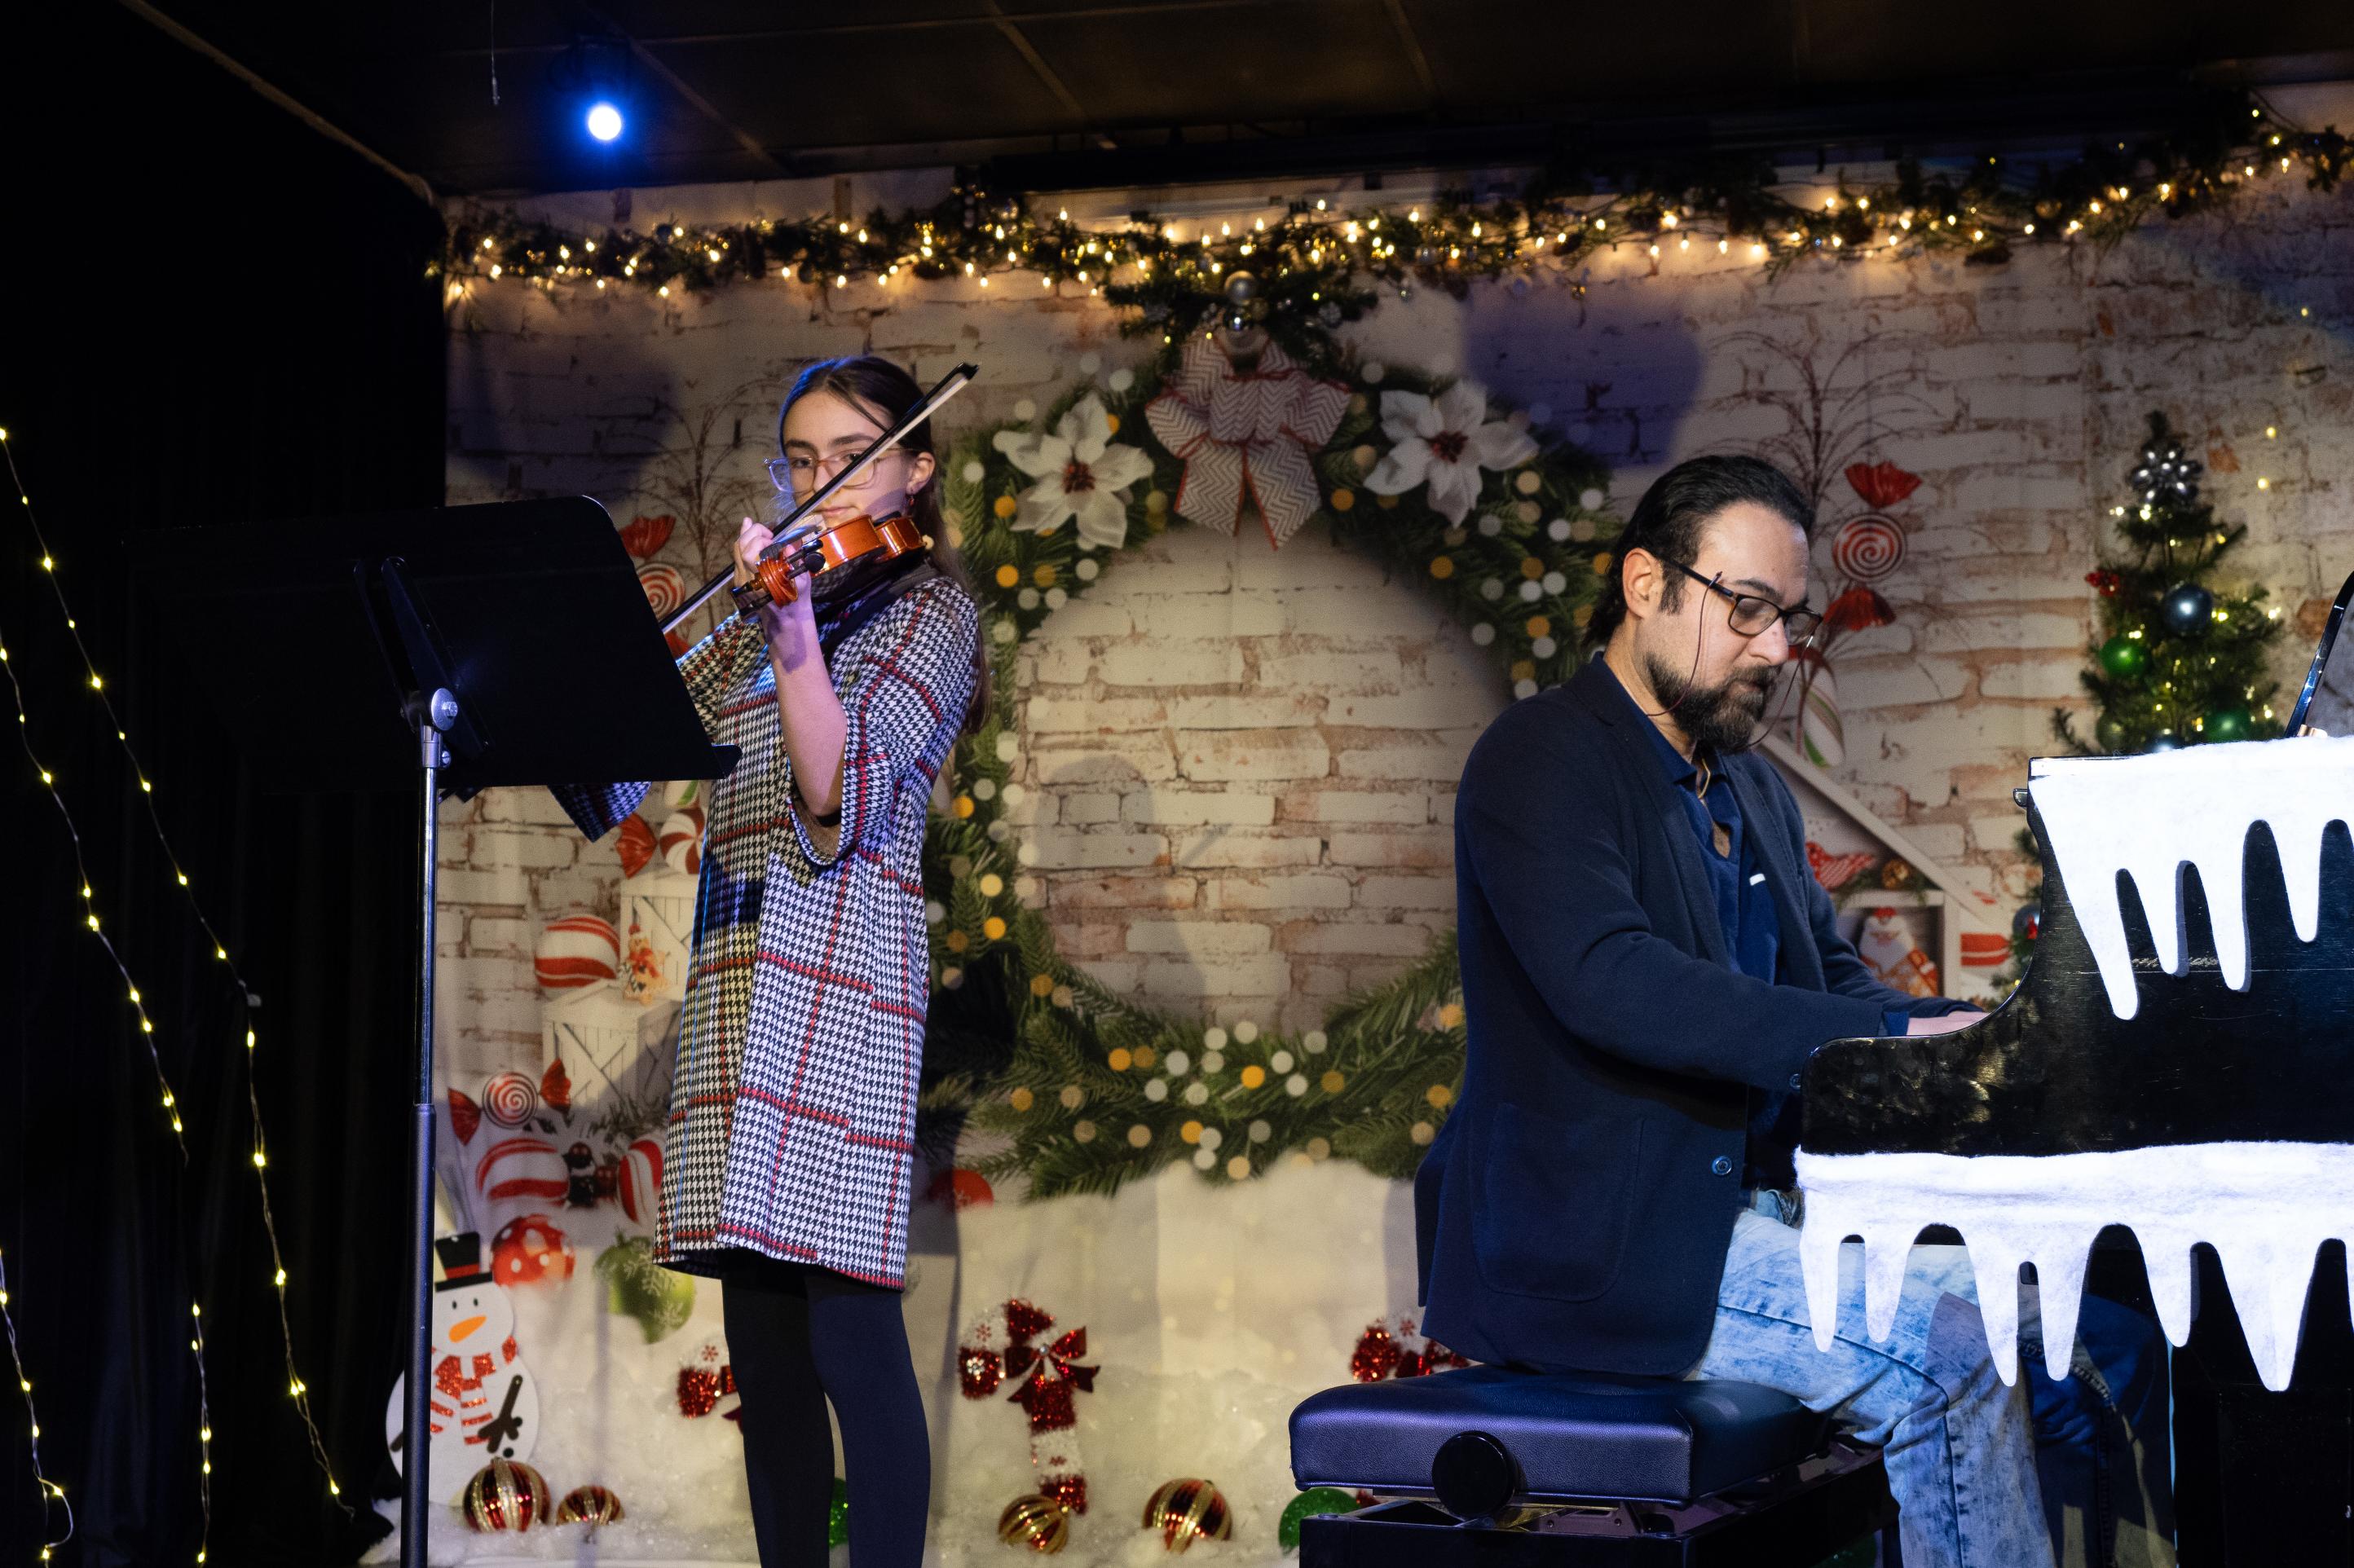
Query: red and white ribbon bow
x=1246, y=435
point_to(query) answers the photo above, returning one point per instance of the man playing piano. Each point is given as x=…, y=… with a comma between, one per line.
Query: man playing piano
x=1646, y=964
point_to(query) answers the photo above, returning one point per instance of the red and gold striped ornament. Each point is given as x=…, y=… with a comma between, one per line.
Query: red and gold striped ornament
x=1038, y=1522
x=505, y=1495
x=589, y=1505
x=1187, y=1510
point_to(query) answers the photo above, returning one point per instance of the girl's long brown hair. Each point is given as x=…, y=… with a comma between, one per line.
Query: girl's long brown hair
x=878, y=383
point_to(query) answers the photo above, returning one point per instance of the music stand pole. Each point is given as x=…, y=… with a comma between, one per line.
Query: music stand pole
x=432, y=716
x=443, y=650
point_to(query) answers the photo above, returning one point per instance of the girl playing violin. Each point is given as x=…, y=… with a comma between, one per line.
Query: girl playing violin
x=788, y=1165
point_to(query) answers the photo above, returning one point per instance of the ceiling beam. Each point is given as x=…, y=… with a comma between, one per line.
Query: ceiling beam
x=1413, y=48
x=1011, y=32
x=994, y=19
x=299, y=111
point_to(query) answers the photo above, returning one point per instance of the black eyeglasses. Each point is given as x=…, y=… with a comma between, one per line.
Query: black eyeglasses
x=1752, y=615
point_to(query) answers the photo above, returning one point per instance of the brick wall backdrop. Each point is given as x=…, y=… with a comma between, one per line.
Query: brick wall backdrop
x=1243, y=772
x=1238, y=765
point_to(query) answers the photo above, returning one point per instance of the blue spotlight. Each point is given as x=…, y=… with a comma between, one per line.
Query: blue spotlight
x=604, y=121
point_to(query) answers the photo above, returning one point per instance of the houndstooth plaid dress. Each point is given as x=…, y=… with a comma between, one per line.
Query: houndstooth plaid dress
x=793, y=1103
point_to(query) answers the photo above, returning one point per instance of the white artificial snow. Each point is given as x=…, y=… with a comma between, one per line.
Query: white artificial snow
x=2267, y=1208
x=1211, y=1311
x=2149, y=816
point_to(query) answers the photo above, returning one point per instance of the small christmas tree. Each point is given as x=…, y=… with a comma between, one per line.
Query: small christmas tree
x=2179, y=658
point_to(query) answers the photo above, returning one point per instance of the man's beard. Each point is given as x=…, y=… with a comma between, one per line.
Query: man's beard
x=1721, y=719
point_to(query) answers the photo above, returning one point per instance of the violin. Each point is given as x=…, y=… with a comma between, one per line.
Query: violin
x=796, y=551
x=858, y=539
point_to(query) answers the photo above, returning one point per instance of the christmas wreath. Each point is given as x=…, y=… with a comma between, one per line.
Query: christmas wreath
x=1504, y=526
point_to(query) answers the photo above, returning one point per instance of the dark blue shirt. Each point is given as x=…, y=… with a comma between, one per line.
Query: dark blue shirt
x=1753, y=930
x=1745, y=904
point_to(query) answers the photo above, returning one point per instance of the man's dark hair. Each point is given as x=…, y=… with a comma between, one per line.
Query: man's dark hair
x=1674, y=512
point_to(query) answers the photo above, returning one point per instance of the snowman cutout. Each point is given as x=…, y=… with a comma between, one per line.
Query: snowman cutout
x=483, y=1405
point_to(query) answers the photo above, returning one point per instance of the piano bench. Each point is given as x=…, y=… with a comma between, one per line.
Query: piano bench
x=1563, y=1471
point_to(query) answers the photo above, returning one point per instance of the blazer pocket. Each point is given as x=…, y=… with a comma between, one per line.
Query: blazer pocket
x=1552, y=1201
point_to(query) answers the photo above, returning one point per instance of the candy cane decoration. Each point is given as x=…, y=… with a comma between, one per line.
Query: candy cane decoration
x=997, y=1350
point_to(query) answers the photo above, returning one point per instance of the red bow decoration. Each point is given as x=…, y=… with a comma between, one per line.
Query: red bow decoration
x=1247, y=434
x=1045, y=1393
x=1881, y=484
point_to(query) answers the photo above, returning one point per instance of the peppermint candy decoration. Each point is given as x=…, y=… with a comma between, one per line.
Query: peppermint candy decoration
x=509, y=1099
x=681, y=841
x=665, y=590
x=1868, y=548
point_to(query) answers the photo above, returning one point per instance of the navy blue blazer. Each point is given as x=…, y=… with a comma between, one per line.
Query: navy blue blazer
x=1574, y=1212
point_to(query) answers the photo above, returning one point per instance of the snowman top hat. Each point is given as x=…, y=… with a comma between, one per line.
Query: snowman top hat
x=461, y=1261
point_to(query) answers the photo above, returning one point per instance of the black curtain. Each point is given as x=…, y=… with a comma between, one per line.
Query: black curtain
x=212, y=314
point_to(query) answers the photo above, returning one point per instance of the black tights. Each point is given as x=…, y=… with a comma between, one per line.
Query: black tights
x=798, y=1336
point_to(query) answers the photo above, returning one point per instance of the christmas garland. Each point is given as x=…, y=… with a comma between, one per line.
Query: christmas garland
x=1089, y=1089
x=1323, y=266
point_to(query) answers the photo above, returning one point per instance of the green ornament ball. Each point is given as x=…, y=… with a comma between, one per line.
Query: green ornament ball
x=2227, y=723
x=2124, y=657
x=2109, y=735
x=636, y=1286
x=837, y=1515
x=1313, y=1503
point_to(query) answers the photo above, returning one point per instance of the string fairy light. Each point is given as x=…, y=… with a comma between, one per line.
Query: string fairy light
x=171, y=1101
x=279, y=1280
x=51, y=1492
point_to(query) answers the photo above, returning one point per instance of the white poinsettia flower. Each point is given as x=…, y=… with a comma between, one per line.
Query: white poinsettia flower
x=1080, y=474
x=1445, y=441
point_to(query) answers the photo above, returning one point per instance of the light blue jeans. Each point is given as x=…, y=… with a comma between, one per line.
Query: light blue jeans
x=1964, y=1452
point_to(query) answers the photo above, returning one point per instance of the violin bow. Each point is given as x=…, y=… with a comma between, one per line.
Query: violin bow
x=954, y=382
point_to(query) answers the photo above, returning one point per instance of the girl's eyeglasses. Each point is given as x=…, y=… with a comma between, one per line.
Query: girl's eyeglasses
x=802, y=475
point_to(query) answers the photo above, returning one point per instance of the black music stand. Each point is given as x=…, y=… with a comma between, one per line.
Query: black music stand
x=443, y=650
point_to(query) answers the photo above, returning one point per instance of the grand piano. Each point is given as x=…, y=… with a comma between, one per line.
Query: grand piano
x=2175, y=1076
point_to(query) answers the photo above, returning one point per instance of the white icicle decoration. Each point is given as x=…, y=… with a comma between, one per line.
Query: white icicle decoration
x=2150, y=815
x=2267, y=1208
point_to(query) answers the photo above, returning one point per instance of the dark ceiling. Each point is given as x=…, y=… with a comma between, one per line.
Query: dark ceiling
x=1067, y=94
